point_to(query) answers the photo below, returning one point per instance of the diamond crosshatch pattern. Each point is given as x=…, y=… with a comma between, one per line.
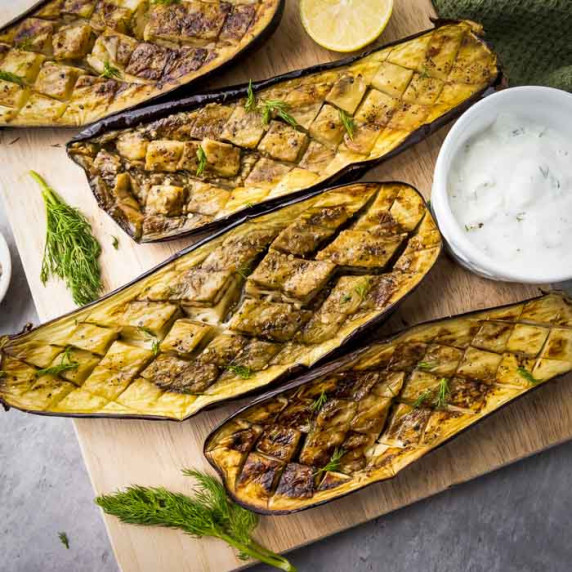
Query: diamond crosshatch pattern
x=71, y=62
x=148, y=178
x=234, y=314
x=389, y=404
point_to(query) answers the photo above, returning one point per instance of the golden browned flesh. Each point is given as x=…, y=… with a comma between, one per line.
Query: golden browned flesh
x=388, y=404
x=71, y=62
x=146, y=177
x=233, y=314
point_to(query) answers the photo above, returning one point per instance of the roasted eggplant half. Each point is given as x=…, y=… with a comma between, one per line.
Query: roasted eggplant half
x=187, y=166
x=233, y=313
x=71, y=62
x=365, y=417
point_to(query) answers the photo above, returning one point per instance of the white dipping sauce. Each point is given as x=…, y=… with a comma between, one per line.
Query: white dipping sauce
x=510, y=189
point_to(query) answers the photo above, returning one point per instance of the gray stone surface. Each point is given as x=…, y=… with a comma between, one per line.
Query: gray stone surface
x=44, y=487
x=517, y=519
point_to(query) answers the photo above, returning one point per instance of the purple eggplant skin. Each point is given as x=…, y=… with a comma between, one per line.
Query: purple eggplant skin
x=185, y=89
x=352, y=341
x=331, y=367
x=352, y=172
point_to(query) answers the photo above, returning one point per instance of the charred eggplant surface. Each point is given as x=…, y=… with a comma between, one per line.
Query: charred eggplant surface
x=71, y=62
x=231, y=314
x=365, y=417
x=183, y=167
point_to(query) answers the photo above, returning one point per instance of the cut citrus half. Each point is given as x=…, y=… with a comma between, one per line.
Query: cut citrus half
x=345, y=25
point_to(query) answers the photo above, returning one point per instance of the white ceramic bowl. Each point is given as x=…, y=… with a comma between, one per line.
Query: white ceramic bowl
x=6, y=267
x=545, y=105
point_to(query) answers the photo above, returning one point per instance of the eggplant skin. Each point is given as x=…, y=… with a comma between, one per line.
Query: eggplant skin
x=143, y=166
x=71, y=62
x=244, y=308
x=381, y=408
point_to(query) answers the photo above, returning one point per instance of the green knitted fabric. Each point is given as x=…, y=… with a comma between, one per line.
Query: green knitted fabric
x=532, y=37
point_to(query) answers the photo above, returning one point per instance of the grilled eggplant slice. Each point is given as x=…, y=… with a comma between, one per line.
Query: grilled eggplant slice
x=71, y=62
x=244, y=308
x=365, y=417
x=144, y=167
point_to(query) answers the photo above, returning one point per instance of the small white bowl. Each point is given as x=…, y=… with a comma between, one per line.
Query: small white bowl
x=5, y=267
x=546, y=105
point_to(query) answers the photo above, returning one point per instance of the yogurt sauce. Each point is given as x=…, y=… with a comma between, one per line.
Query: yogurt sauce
x=510, y=189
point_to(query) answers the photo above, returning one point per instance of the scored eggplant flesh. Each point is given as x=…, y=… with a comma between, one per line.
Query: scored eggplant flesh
x=366, y=416
x=145, y=168
x=233, y=313
x=71, y=62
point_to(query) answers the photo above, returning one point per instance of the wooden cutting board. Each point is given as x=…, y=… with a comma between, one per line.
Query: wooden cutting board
x=122, y=452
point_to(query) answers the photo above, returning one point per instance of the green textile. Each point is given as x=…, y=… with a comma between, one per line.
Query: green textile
x=532, y=37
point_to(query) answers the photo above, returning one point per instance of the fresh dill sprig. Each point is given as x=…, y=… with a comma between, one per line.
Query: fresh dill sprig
x=25, y=44
x=348, y=123
x=109, y=71
x=426, y=395
x=443, y=393
x=319, y=402
x=426, y=365
x=66, y=364
x=244, y=270
x=269, y=106
x=209, y=512
x=523, y=372
x=64, y=539
x=346, y=298
x=155, y=343
x=241, y=371
x=424, y=73
x=12, y=77
x=334, y=463
x=363, y=288
x=115, y=242
x=166, y=2
x=250, y=105
x=202, y=159
x=71, y=252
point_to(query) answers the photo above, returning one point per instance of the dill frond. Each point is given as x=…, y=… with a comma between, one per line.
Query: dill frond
x=12, y=77
x=348, y=123
x=66, y=364
x=241, y=371
x=202, y=159
x=155, y=343
x=209, y=512
x=109, y=71
x=421, y=399
x=269, y=106
x=334, y=463
x=250, y=105
x=443, y=393
x=64, y=539
x=244, y=270
x=319, y=402
x=71, y=251
x=363, y=288
x=524, y=373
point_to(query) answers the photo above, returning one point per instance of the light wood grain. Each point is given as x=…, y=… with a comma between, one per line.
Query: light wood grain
x=121, y=452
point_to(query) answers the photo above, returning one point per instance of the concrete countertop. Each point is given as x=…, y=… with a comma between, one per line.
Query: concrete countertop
x=516, y=519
